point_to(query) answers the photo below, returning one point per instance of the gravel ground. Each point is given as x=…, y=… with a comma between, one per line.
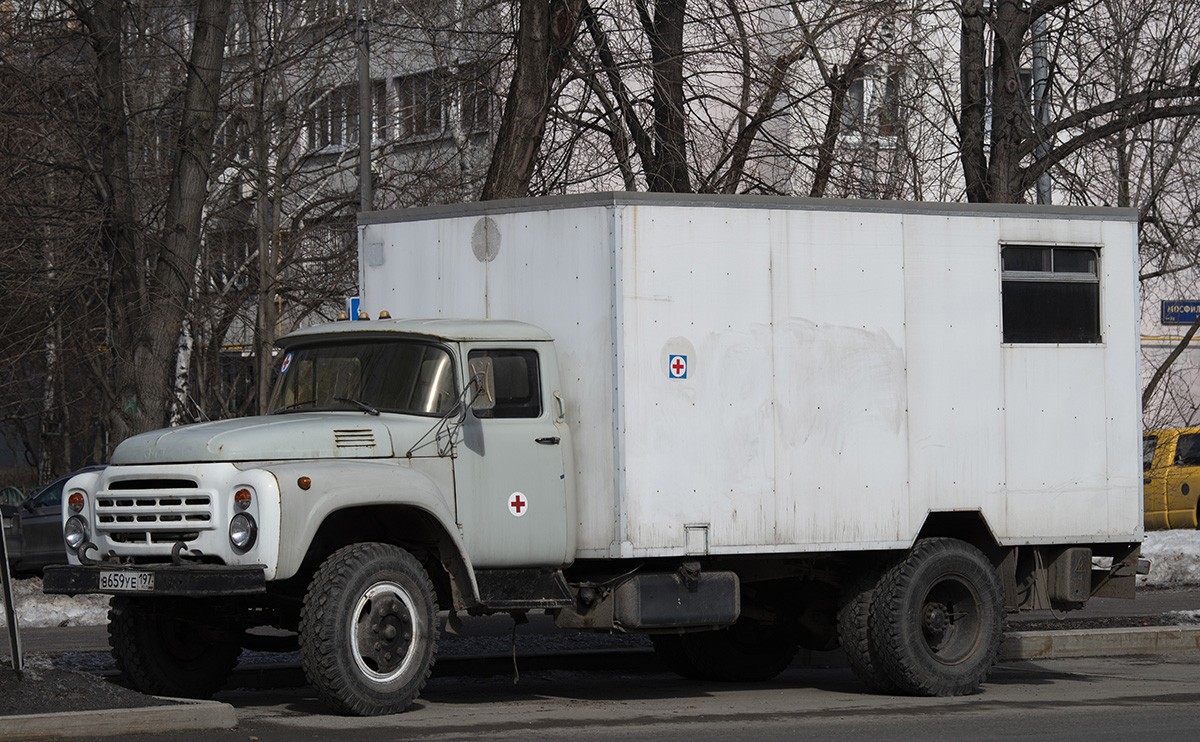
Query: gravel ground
x=43, y=688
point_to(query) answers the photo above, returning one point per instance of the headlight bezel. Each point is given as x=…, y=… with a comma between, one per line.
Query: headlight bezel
x=243, y=532
x=82, y=534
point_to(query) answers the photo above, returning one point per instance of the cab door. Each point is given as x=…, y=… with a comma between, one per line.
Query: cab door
x=511, y=485
x=1183, y=481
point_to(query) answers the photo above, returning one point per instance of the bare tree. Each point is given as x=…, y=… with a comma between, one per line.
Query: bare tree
x=544, y=35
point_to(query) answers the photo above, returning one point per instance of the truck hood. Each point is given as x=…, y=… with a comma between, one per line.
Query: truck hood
x=309, y=435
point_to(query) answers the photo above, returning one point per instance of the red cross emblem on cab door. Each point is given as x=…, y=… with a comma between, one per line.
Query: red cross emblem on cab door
x=518, y=504
x=677, y=367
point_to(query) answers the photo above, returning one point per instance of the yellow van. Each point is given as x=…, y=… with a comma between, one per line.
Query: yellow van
x=1171, y=479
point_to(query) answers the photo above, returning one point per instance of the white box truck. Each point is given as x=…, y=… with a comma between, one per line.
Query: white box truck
x=739, y=425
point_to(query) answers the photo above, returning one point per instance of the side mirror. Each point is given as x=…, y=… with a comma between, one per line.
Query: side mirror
x=483, y=377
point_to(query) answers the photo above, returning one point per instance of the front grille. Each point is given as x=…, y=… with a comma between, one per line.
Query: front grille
x=146, y=511
x=157, y=537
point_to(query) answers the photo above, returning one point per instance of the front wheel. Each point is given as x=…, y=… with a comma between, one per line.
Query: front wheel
x=938, y=617
x=170, y=646
x=368, y=630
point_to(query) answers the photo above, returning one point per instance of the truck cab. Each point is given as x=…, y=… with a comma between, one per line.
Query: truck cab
x=444, y=440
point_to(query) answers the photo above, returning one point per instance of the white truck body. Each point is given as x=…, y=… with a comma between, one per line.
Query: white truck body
x=846, y=371
x=738, y=425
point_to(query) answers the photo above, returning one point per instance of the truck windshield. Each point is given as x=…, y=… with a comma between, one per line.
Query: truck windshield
x=387, y=375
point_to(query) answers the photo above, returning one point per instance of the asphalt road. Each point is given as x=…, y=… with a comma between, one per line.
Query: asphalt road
x=1062, y=700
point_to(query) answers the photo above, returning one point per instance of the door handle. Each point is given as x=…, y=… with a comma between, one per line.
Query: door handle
x=547, y=441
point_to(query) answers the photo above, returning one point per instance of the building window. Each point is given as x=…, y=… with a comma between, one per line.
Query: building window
x=333, y=116
x=383, y=120
x=421, y=104
x=872, y=103
x=516, y=381
x=426, y=102
x=476, y=98
x=1050, y=294
x=854, y=105
x=889, y=108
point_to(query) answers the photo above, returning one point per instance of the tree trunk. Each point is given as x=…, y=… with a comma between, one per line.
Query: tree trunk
x=972, y=72
x=127, y=300
x=839, y=87
x=1011, y=117
x=547, y=28
x=665, y=32
x=149, y=289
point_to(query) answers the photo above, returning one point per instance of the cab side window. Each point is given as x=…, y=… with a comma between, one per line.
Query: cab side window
x=1149, y=443
x=518, y=383
x=51, y=497
x=1187, y=451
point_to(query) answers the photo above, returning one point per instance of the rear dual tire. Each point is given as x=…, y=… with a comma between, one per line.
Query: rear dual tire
x=934, y=623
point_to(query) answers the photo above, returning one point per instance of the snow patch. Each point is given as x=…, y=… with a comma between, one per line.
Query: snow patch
x=1174, y=558
x=35, y=610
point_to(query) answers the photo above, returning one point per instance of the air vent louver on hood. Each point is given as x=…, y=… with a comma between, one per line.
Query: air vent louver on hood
x=354, y=438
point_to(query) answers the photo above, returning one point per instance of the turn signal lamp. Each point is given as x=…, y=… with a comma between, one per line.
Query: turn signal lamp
x=243, y=498
x=75, y=502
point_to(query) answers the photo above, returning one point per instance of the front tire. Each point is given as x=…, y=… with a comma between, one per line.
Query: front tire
x=938, y=618
x=170, y=646
x=368, y=630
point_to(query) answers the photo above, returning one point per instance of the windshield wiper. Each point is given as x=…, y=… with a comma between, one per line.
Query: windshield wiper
x=290, y=406
x=360, y=405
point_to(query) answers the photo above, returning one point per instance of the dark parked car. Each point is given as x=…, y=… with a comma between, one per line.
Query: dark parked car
x=35, y=536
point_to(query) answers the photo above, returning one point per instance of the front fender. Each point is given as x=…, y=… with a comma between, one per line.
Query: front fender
x=423, y=484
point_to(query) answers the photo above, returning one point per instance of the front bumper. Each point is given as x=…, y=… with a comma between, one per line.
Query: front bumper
x=192, y=580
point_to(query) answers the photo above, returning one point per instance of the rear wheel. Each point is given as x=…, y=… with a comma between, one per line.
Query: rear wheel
x=854, y=630
x=938, y=618
x=170, y=646
x=368, y=630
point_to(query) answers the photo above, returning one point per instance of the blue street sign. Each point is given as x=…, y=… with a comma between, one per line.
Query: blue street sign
x=1180, y=312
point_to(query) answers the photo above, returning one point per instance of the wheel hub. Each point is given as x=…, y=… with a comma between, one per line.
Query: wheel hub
x=935, y=618
x=382, y=636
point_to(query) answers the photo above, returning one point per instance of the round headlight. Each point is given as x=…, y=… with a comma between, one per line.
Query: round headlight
x=242, y=531
x=75, y=532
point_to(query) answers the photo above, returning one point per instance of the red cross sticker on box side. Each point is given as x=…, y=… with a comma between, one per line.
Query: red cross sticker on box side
x=677, y=367
x=518, y=504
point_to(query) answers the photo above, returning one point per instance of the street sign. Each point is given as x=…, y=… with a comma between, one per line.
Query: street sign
x=1180, y=311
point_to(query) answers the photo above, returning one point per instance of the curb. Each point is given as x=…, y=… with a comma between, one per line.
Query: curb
x=1045, y=645
x=183, y=715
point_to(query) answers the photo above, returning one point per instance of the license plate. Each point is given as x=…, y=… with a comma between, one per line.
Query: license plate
x=127, y=582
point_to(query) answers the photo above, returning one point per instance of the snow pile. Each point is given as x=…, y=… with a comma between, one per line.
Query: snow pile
x=1174, y=556
x=37, y=610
